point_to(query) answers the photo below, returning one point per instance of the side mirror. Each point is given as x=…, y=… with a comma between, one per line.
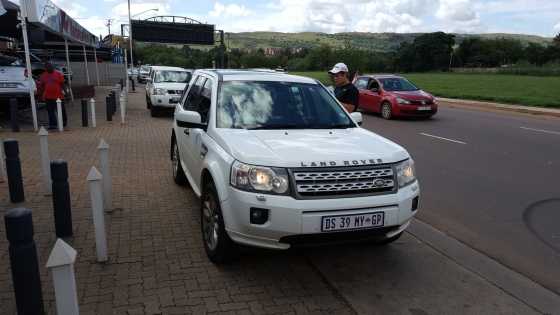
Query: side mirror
x=375, y=90
x=189, y=119
x=357, y=117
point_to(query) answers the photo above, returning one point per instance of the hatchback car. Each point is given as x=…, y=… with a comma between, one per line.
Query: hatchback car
x=394, y=96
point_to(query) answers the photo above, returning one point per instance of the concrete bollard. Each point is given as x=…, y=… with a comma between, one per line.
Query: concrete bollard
x=13, y=114
x=108, y=108
x=61, y=264
x=105, y=172
x=59, y=115
x=123, y=105
x=96, y=194
x=61, y=198
x=93, y=118
x=45, y=159
x=13, y=169
x=2, y=164
x=84, y=113
x=23, y=261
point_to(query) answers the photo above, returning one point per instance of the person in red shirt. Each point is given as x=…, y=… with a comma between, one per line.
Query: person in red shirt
x=51, y=83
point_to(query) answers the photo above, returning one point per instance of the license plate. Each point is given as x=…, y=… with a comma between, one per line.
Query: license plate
x=424, y=108
x=352, y=222
x=174, y=100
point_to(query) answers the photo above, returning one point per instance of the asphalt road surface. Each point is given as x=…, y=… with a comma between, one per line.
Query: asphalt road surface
x=490, y=180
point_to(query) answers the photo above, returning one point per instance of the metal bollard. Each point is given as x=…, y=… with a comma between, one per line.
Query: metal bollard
x=108, y=108
x=59, y=115
x=61, y=198
x=23, y=261
x=13, y=114
x=93, y=118
x=2, y=166
x=13, y=170
x=114, y=102
x=61, y=263
x=45, y=159
x=122, y=102
x=96, y=194
x=103, y=149
x=84, y=113
x=132, y=84
x=121, y=83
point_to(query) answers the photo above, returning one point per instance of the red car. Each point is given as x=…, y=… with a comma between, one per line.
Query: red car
x=393, y=96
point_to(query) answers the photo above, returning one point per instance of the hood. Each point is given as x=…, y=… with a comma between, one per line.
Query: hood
x=12, y=74
x=418, y=95
x=309, y=148
x=170, y=86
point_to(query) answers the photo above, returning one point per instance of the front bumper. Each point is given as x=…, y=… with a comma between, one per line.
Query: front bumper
x=291, y=220
x=412, y=110
x=166, y=100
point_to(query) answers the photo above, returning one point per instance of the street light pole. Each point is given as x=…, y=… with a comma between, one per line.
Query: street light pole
x=130, y=36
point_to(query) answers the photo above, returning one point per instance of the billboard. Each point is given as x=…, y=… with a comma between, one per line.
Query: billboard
x=173, y=33
x=54, y=19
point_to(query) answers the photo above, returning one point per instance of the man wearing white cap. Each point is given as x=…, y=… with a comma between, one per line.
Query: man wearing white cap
x=344, y=90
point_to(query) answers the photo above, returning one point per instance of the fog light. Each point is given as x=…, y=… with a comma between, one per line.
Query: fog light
x=258, y=215
x=415, y=204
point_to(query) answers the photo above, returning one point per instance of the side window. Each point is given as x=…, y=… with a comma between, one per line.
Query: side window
x=362, y=83
x=192, y=99
x=205, y=100
x=373, y=84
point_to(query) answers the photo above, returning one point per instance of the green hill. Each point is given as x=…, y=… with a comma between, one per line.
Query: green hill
x=382, y=42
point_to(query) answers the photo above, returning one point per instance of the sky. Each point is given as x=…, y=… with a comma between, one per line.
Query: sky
x=536, y=17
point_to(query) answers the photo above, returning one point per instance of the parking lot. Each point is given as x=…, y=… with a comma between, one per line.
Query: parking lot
x=157, y=263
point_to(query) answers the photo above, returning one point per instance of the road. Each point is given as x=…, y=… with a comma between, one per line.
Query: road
x=490, y=180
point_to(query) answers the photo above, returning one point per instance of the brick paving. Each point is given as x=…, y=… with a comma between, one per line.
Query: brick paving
x=157, y=261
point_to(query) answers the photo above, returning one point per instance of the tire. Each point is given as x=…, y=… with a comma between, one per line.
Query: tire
x=178, y=173
x=389, y=240
x=154, y=111
x=219, y=247
x=386, y=111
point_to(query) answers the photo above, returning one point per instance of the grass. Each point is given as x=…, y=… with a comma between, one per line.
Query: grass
x=510, y=89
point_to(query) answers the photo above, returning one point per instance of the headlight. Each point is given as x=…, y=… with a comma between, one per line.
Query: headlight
x=405, y=172
x=259, y=178
x=402, y=101
x=159, y=91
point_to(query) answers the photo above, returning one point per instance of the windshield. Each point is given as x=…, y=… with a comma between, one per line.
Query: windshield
x=172, y=76
x=397, y=84
x=145, y=68
x=278, y=105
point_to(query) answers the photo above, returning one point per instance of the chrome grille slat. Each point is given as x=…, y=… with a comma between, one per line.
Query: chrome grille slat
x=332, y=182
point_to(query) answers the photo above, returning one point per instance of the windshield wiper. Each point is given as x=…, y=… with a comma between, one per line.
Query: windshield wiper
x=333, y=126
x=276, y=126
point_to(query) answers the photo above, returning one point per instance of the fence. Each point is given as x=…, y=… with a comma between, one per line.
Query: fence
x=109, y=73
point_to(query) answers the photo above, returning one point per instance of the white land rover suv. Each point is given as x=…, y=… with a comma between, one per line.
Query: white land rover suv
x=277, y=161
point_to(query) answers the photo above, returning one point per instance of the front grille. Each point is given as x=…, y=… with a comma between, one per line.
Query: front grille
x=427, y=102
x=344, y=181
x=9, y=85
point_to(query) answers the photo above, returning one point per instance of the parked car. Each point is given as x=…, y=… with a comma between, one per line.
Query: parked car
x=143, y=73
x=394, y=96
x=14, y=82
x=277, y=162
x=164, y=87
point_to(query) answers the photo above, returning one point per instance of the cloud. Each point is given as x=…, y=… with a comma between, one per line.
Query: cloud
x=557, y=26
x=230, y=10
x=459, y=16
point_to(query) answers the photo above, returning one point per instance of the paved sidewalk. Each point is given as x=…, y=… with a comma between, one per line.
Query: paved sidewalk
x=498, y=106
x=157, y=262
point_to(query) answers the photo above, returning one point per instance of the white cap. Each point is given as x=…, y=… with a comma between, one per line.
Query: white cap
x=339, y=67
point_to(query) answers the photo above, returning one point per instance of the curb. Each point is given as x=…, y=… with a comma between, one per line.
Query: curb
x=498, y=106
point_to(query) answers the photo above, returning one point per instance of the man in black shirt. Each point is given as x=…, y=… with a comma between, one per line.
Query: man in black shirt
x=344, y=90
